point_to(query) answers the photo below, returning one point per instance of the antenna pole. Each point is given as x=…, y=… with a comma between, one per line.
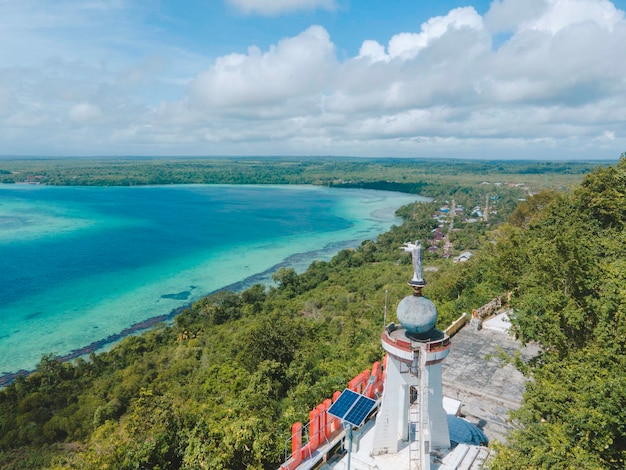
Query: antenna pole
x=385, y=316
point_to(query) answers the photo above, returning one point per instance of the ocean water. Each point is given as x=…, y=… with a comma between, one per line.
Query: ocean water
x=78, y=264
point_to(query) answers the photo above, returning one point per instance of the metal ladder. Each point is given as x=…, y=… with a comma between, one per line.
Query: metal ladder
x=417, y=413
x=415, y=437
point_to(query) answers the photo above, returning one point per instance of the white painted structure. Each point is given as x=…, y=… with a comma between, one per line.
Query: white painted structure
x=412, y=405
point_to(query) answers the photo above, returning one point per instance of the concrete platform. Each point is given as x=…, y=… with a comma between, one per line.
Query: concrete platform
x=499, y=323
x=488, y=390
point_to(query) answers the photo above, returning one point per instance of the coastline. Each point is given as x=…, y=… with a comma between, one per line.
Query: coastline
x=152, y=293
x=264, y=277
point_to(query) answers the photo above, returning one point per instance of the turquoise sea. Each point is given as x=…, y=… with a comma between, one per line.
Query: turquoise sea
x=79, y=264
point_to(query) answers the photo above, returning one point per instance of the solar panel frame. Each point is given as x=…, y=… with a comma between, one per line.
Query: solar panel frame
x=343, y=404
x=352, y=407
x=360, y=410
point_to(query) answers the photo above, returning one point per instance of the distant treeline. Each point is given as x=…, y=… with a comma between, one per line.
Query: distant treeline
x=320, y=171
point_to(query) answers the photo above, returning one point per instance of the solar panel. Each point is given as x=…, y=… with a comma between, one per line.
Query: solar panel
x=352, y=407
x=343, y=404
x=360, y=410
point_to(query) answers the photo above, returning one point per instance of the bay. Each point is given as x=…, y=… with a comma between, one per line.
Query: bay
x=79, y=264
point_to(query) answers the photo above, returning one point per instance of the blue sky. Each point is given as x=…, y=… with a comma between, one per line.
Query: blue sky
x=400, y=78
x=218, y=27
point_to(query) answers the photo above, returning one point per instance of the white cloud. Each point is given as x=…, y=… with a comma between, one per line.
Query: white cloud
x=508, y=15
x=275, y=7
x=550, y=15
x=85, y=112
x=295, y=67
x=608, y=135
x=408, y=45
x=373, y=50
x=38, y=31
x=554, y=87
x=6, y=101
x=561, y=14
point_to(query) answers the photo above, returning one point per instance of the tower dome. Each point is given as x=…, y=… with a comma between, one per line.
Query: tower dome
x=417, y=314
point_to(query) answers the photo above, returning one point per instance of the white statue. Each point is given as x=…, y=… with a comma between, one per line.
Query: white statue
x=416, y=252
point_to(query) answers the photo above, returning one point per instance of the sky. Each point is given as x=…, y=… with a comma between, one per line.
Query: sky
x=507, y=79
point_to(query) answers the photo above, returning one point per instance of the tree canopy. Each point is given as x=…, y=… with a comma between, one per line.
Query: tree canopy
x=567, y=263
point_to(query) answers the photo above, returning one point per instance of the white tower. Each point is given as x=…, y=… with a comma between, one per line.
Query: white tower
x=412, y=405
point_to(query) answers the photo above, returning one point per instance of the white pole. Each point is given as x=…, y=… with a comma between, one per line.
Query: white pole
x=349, y=444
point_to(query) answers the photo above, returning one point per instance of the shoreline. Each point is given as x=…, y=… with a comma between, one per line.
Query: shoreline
x=263, y=277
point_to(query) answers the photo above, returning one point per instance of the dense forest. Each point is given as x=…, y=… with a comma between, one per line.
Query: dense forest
x=221, y=386
x=565, y=256
x=427, y=176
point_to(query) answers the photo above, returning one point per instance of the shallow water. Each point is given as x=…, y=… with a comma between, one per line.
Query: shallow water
x=82, y=263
